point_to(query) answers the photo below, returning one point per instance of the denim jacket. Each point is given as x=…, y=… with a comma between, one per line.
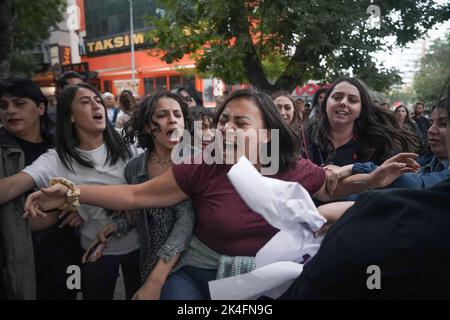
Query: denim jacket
x=177, y=221
x=430, y=174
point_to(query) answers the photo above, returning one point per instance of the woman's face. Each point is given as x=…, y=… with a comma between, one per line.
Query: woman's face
x=286, y=108
x=240, y=123
x=437, y=133
x=321, y=97
x=300, y=105
x=207, y=132
x=169, y=117
x=400, y=114
x=189, y=100
x=88, y=113
x=343, y=105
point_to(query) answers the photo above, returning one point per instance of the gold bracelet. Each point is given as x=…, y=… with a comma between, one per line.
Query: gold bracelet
x=73, y=193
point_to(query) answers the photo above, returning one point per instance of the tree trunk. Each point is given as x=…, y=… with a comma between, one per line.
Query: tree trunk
x=6, y=37
x=252, y=62
x=294, y=71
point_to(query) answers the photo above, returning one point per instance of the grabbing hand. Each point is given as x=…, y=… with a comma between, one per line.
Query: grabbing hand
x=45, y=200
x=341, y=172
x=95, y=250
x=151, y=290
x=392, y=168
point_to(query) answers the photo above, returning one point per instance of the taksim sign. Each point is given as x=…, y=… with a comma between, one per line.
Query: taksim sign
x=105, y=46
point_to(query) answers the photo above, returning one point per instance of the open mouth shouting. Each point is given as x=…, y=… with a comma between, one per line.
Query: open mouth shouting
x=173, y=135
x=98, y=116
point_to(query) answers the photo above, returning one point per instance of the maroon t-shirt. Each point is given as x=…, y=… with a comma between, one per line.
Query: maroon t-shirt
x=224, y=222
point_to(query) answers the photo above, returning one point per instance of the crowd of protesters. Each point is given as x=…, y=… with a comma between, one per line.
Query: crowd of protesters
x=172, y=228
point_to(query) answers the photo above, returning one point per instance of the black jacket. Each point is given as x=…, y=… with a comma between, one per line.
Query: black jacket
x=404, y=232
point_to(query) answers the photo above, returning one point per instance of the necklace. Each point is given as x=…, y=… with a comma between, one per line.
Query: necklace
x=161, y=163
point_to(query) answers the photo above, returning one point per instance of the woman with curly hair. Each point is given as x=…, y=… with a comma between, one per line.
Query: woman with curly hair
x=164, y=232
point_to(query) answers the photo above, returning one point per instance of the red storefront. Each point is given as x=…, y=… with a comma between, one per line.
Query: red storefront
x=109, y=59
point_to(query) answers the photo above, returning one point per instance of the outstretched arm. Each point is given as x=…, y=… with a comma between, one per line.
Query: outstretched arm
x=381, y=177
x=162, y=191
x=151, y=289
x=332, y=212
x=13, y=186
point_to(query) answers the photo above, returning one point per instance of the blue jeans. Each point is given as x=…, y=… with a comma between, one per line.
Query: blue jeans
x=188, y=283
x=98, y=279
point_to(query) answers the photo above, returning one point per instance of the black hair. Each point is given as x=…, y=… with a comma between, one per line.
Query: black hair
x=124, y=103
x=290, y=148
x=194, y=95
x=26, y=88
x=315, y=102
x=421, y=103
x=442, y=104
x=377, y=129
x=135, y=128
x=61, y=82
x=67, y=139
x=201, y=113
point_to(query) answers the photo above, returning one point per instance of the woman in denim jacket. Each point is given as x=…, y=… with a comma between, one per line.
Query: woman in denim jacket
x=163, y=232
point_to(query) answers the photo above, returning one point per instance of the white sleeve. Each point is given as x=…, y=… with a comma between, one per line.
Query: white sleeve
x=44, y=168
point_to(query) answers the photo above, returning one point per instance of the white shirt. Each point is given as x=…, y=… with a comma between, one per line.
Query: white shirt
x=49, y=165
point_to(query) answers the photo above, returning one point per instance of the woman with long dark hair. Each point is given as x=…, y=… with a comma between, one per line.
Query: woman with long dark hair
x=405, y=122
x=353, y=129
x=316, y=110
x=89, y=150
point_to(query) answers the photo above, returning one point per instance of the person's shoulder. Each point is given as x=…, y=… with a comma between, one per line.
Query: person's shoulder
x=303, y=169
x=442, y=187
x=135, y=164
x=404, y=197
x=196, y=165
x=49, y=158
x=136, y=160
x=423, y=119
x=304, y=163
x=51, y=153
x=6, y=138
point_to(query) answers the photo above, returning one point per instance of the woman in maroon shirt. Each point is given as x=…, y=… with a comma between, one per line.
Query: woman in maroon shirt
x=226, y=226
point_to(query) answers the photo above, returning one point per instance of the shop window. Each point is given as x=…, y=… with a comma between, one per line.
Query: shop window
x=149, y=86
x=160, y=84
x=107, y=86
x=175, y=82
